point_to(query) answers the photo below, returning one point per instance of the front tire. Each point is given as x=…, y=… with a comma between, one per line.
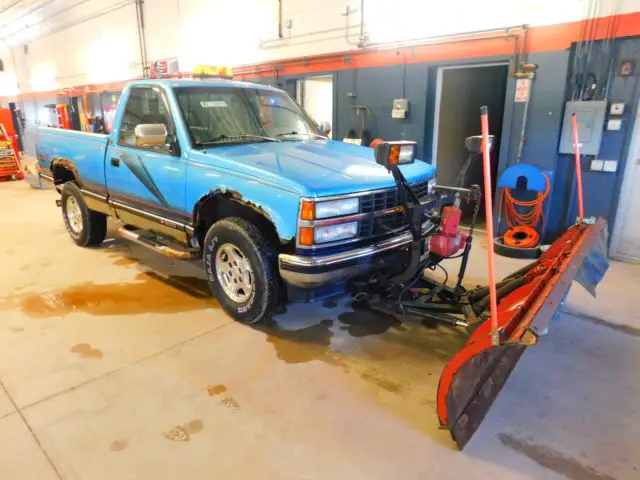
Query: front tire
x=241, y=268
x=86, y=227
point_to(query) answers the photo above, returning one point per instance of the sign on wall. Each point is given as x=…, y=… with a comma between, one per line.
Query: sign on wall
x=523, y=87
x=164, y=68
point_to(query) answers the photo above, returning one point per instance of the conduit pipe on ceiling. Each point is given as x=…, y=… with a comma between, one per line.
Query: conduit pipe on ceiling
x=99, y=13
x=45, y=19
x=492, y=34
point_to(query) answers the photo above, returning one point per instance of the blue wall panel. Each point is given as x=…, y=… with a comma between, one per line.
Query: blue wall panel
x=375, y=88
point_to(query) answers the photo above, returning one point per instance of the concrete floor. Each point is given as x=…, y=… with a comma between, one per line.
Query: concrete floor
x=116, y=364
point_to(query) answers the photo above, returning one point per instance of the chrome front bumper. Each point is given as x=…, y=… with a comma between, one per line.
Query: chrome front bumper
x=316, y=271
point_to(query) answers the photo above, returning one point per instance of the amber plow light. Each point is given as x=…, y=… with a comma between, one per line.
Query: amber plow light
x=392, y=154
x=209, y=71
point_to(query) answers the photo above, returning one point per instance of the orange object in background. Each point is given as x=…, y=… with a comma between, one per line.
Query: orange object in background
x=6, y=119
x=62, y=113
x=9, y=158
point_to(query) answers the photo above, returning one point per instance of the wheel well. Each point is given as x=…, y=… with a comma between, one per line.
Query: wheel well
x=218, y=206
x=62, y=174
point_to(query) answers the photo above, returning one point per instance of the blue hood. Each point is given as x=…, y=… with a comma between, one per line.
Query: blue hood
x=313, y=168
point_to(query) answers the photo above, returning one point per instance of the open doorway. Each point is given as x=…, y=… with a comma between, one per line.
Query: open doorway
x=315, y=95
x=460, y=92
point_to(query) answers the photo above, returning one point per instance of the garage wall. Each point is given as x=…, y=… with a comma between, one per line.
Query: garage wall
x=47, y=45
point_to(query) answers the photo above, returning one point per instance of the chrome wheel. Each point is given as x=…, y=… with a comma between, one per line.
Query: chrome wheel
x=234, y=273
x=74, y=215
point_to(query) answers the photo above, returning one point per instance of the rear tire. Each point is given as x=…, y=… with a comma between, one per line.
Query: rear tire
x=242, y=270
x=86, y=227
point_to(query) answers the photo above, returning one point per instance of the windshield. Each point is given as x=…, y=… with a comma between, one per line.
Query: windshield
x=223, y=115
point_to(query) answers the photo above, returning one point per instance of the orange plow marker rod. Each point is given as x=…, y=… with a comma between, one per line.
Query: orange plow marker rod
x=488, y=211
x=576, y=151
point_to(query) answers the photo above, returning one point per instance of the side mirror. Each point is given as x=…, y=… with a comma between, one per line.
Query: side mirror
x=394, y=154
x=150, y=134
x=325, y=127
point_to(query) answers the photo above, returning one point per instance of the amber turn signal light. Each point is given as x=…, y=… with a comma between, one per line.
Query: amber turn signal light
x=306, y=236
x=308, y=210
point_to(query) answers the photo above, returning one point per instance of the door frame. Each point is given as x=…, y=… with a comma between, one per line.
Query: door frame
x=294, y=79
x=633, y=156
x=506, y=119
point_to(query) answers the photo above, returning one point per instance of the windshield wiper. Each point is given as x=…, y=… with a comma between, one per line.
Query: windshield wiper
x=286, y=134
x=223, y=137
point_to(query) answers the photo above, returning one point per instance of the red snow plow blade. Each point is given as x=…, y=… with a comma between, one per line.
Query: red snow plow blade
x=528, y=301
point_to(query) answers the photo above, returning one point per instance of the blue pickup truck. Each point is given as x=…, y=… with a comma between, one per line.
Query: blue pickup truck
x=238, y=175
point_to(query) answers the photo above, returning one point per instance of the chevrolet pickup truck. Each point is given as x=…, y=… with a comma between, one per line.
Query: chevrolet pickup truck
x=238, y=175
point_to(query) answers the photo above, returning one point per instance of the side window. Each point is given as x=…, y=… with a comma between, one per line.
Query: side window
x=147, y=106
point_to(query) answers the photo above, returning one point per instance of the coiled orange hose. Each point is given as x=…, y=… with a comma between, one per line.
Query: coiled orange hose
x=534, y=214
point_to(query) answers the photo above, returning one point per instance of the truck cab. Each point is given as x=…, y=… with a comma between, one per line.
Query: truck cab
x=238, y=175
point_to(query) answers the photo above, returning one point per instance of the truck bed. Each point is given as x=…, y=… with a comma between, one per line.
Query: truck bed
x=84, y=151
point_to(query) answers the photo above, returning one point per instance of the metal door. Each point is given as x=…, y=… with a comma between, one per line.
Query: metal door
x=625, y=243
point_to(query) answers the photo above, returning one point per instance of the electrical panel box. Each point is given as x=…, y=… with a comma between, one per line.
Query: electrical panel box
x=400, y=108
x=590, y=116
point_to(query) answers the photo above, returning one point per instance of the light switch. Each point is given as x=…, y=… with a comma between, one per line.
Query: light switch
x=610, y=166
x=596, y=165
x=617, y=108
x=614, y=124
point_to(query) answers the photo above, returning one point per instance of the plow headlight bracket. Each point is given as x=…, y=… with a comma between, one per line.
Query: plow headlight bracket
x=393, y=154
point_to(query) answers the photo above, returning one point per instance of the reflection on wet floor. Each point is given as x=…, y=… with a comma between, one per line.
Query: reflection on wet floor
x=150, y=292
x=301, y=345
x=365, y=320
x=398, y=364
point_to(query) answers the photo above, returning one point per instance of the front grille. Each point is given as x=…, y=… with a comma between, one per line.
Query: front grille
x=372, y=227
x=383, y=200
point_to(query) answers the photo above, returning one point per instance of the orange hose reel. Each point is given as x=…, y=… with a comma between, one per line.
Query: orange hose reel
x=522, y=231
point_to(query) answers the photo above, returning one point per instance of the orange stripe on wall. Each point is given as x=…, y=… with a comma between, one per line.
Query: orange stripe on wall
x=539, y=39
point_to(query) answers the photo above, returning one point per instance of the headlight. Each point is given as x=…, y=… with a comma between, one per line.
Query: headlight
x=334, y=233
x=337, y=208
x=430, y=185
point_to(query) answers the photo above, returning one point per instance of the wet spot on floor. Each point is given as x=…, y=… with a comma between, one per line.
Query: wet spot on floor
x=330, y=303
x=552, y=459
x=193, y=427
x=230, y=403
x=214, y=390
x=182, y=433
x=150, y=292
x=364, y=321
x=118, y=445
x=25, y=267
x=377, y=378
x=432, y=324
x=86, y=351
x=46, y=263
x=299, y=346
x=124, y=261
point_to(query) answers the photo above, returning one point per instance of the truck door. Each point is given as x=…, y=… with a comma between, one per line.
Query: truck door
x=146, y=184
